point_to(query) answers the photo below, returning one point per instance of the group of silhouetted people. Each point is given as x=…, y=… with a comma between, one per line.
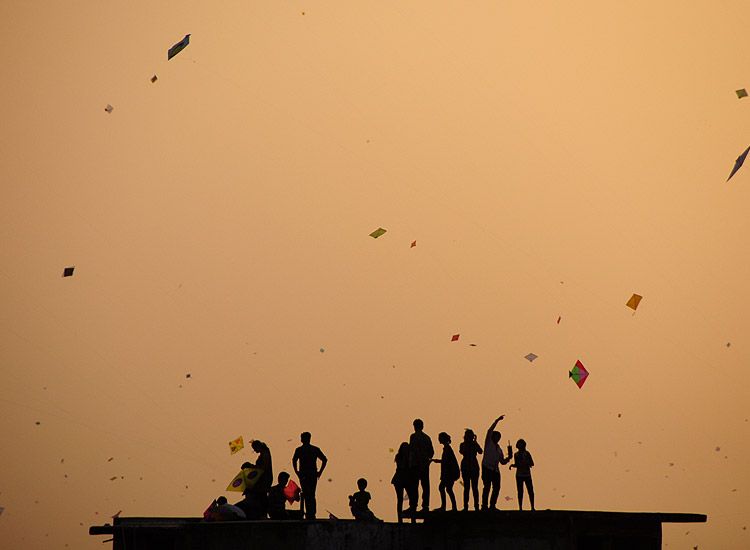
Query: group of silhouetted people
x=413, y=461
x=263, y=500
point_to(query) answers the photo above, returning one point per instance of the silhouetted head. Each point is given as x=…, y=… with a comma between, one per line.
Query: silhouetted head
x=247, y=465
x=496, y=437
x=520, y=445
x=418, y=425
x=258, y=445
x=403, y=450
x=469, y=435
x=305, y=438
x=283, y=478
x=361, y=484
x=444, y=438
x=221, y=500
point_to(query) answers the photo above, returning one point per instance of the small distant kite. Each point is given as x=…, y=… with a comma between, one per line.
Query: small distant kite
x=413, y=244
x=109, y=108
x=741, y=93
x=154, y=79
x=322, y=350
x=188, y=375
x=377, y=233
x=530, y=357
x=579, y=374
x=635, y=299
x=292, y=492
x=68, y=271
x=738, y=163
x=558, y=319
x=455, y=337
x=177, y=48
x=244, y=480
x=236, y=445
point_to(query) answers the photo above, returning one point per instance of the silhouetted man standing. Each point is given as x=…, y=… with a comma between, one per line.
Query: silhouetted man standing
x=420, y=456
x=493, y=457
x=305, y=463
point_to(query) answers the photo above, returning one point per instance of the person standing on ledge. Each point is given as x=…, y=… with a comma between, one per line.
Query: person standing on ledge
x=493, y=457
x=305, y=464
x=420, y=457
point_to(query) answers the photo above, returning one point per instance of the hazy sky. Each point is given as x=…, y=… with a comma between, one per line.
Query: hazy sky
x=549, y=158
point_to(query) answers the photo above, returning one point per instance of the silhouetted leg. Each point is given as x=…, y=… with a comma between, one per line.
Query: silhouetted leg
x=475, y=489
x=441, y=488
x=424, y=477
x=495, y=489
x=467, y=482
x=308, y=486
x=519, y=489
x=530, y=489
x=486, y=483
x=399, y=503
x=451, y=494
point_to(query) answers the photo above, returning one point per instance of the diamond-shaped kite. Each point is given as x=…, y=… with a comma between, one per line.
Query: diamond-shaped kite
x=741, y=93
x=68, y=271
x=377, y=233
x=109, y=108
x=177, y=48
x=738, y=163
x=579, y=374
x=245, y=479
x=154, y=79
x=635, y=299
x=236, y=445
x=413, y=244
x=530, y=357
x=292, y=491
x=455, y=337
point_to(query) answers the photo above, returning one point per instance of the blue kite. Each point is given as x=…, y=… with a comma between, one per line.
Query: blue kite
x=177, y=48
x=738, y=163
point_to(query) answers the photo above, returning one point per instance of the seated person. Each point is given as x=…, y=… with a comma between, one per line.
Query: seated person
x=279, y=494
x=359, y=502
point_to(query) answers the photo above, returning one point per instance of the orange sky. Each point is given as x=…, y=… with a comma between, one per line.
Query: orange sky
x=550, y=159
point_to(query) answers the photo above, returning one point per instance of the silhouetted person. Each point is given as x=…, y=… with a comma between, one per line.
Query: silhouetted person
x=220, y=510
x=469, y=448
x=277, y=498
x=264, y=463
x=449, y=471
x=305, y=463
x=403, y=479
x=359, y=502
x=420, y=456
x=523, y=464
x=493, y=457
x=253, y=505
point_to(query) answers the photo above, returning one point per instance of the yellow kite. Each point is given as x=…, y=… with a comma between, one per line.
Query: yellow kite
x=237, y=445
x=244, y=480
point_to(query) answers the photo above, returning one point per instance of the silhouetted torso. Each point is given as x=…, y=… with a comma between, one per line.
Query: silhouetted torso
x=308, y=456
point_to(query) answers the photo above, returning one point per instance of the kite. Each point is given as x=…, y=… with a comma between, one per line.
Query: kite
x=292, y=492
x=579, y=374
x=177, y=48
x=413, y=244
x=377, y=233
x=741, y=93
x=154, y=79
x=558, y=319
x=68, y=271
x=322, y=350
x=236, y=445
x=455, y=337
x=635, y=299
x=738, y=163
x=530, y=357
x=187, y=375
x=244, y=480
x=109, y=108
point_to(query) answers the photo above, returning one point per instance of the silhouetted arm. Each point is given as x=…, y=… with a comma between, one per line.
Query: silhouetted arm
x=295, y=463
x=492, y=428
x=504, y=460
x=323, y=462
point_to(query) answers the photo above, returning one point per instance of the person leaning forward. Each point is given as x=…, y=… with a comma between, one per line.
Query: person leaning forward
x=305, y=464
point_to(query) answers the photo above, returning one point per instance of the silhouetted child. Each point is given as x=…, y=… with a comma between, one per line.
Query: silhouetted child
x=359, y=502
x=449, y=471
x=523, y=464
x=277, y=497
